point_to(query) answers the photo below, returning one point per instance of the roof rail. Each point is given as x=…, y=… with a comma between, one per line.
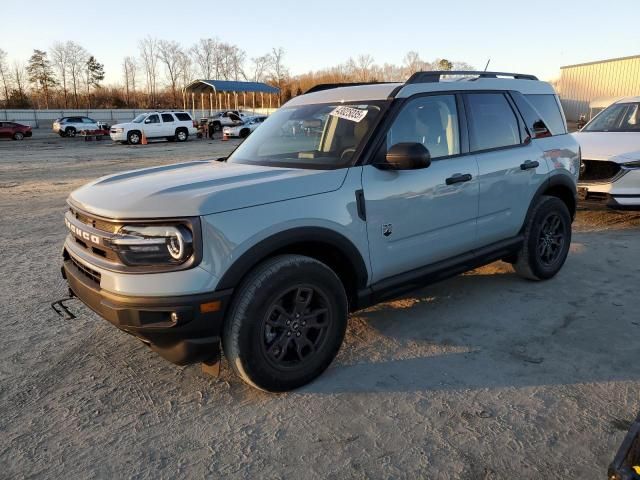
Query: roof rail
x=435, y=75
x=328, y=86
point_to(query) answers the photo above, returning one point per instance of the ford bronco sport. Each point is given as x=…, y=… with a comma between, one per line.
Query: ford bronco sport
x=346, y=196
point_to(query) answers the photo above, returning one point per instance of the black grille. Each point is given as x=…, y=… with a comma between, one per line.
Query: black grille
x=598, y=171
x=95, y=222
x=90, y=273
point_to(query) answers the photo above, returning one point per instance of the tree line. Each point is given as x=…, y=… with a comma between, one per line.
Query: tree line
x=68, y=76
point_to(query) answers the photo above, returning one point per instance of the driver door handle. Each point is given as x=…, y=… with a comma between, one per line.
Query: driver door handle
x=529, y=164
x=458, y=178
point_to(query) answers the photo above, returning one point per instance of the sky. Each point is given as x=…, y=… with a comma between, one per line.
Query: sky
x=534, y=37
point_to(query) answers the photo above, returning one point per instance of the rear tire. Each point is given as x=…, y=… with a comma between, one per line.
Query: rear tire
x=182, y=135
x=286, y=323
x=547, y=240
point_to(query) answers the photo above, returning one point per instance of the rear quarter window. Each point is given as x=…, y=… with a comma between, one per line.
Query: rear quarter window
x=183, y=117
x=549, y=109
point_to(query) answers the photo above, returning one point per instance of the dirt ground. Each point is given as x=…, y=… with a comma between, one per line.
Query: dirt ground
x=481, y=376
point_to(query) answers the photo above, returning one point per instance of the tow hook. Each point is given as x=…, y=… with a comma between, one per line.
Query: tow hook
x=61, y=309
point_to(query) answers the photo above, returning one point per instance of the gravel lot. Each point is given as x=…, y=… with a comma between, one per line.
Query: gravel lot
x=482, y=376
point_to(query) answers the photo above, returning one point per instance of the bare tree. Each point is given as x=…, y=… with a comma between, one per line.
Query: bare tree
x=149, y=53
x=129, y=68
x=260, y=67
x=360, y=68
x=77, y=58
x=19, y=78
x=279, y=71
x=60, y=63
x=4, y=76
x=170, y=54
x=413, y=63
x=206, y=56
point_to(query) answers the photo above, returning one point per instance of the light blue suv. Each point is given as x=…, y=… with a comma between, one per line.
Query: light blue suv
x=346, y=196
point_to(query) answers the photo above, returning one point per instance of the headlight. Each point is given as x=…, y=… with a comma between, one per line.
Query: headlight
x=634, y=164
x=154, y=244
x=117, y=130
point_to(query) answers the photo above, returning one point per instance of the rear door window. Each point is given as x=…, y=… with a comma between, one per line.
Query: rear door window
x=492, y=122
x=547, y=106
x=167, y=118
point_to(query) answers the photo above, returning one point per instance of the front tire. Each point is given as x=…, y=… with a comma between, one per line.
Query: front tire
x=134, y=138
x=286, y=323
x=18, y=136
x=70, y=132
x=547, y=240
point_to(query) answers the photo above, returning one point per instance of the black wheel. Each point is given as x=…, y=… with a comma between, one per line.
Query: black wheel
x=286, y=323
x=70, y=132
x=134, y=137
x=244, y=133
x=547, y=240
x=215, y=127
x=18, y=136
x=182, y=135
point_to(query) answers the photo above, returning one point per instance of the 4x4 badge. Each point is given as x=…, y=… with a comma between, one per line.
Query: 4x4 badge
x=387, y=229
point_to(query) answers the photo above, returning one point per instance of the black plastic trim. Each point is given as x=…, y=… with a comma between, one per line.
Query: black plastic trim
x=361, y=205
x=399, y=284
x=433, y=76
x=193, y=337
x=288, y=238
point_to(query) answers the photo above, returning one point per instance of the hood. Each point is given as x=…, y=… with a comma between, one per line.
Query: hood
x=618, y=147
x=199, y=188
x=121, y=125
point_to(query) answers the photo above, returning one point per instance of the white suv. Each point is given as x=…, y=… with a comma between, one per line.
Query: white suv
x=69, y=126
x=174, y=126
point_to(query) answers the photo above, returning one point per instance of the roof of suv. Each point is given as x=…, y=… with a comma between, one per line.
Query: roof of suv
x=433, y=83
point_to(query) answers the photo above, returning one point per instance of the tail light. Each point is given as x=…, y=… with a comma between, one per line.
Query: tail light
x=195, y=124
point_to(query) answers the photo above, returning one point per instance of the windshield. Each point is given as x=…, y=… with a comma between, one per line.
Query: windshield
x=140, y=118
x=620, y=117
x=321, y=136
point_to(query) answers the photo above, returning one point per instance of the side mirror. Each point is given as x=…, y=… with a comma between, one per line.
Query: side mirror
x=147, y=120
x=540, y=130
x=406, y=156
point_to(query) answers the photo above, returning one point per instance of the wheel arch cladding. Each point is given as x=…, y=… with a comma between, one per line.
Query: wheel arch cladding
x=560, y=186
x=324, y=245
x=564, y=187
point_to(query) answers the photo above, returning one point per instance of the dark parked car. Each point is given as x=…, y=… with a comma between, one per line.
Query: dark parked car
x=14, y=130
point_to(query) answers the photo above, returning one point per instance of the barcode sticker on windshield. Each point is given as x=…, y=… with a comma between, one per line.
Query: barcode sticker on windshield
x=349, y=113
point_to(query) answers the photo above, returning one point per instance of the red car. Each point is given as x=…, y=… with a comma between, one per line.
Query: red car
x=14, y=130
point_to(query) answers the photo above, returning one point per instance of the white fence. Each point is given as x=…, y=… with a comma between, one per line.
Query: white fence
x=45, y=118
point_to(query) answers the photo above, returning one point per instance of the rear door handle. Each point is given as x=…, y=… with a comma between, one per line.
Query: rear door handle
x=458, y=178
x=529, y=164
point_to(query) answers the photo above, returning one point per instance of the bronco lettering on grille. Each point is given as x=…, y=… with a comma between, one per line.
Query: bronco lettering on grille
x=81, y=233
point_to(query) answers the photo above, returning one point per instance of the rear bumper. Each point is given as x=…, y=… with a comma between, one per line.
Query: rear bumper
x=191, y=335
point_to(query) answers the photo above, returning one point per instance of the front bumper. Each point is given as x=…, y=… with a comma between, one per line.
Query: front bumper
x=191, y=335
x=117, y=136
x=622, y=193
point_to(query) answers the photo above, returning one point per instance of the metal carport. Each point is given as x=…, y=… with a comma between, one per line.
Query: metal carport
x=220, y=91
